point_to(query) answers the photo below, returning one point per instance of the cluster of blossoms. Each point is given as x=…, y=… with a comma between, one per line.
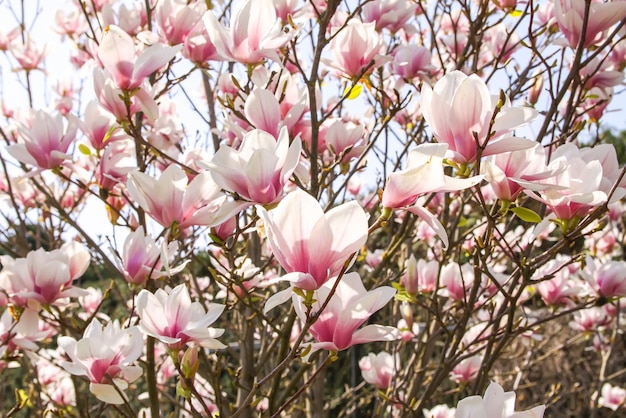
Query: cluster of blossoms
x=354, y=180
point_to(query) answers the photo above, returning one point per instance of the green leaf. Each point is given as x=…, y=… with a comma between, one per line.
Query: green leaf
x=352, y=92
x=516, y=13
x=526, y=215
x=84, y=149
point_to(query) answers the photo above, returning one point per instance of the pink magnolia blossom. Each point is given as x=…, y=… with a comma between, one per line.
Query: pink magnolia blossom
x=379, y=369
x=72, y=24
x=105, y=357
x=344, y=139
x=255, y=32
x=27, y=54
x=558, y=288
x=356, y=49
x=109, y=97
x=570, y=16
x=198, y=47
x=130, y=17
x=467, y=370
x=312, y=245
x=99, y=126
x=608, y=278
x=261, y=167
x=424, y=174
x=420, y=276
x=170, y=200
x=7, y=38
x=46, y=141
x=459, y=110
x=410, y=61
x=612, y=397
x=263, y=111
x=456, y=281
x=509, y=173
x=392, y=15
x=172, y=318
x=143, y=258
x=588, y=178
x=118, y=55
x=117, y=160
x=590, y=320
x=22, y=334
x=43, y=277
x=176, y=18
x=284, y=8
x=337, y=327
x=496, y=403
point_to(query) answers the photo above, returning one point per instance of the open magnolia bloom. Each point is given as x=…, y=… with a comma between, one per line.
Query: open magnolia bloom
x=349, y=307
x=261, y=167
x=586, y=182
x=510, y=173
x=424, y=173
x=495, y=404
x=570, y=17
x=172, y=318
x=105, y=356
x=255, y=32
x=44, y=277
x=459, y=109
x=170, y=200
x=46, y=142
x=312, y=246
x=118, y=55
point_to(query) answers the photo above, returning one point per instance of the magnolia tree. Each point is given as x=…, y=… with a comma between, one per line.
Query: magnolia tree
x=377, y=208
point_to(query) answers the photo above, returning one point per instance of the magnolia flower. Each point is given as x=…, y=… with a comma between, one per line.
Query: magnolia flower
x=46, y=141
x=22, y=334
x=349, y=307
x=612, y=397
x=43, y=277
x=390, y=14
x=175, y=320
x=312, y=246
x=105, y=357
x=411, y=61
x=255, y=32
x=169, y=200
x=420, y=276
x=424, y=174
x=99, y=126
x=118, y=55
x=379, y=369
x=495, y=404
x=467, y=370
x=143, y=258
x=261, y=167
x=570, y=17
x=459, y=110
x=586, y=181
x=110, y=97
x=356, y=49
x=198, y=47
x=176, y=18
x=608, y=278
x=509, y=173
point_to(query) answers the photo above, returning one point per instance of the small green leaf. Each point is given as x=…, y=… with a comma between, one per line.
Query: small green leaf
x=352, y=92
x=84, y=149
x=516, y=13
x=526, y=215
